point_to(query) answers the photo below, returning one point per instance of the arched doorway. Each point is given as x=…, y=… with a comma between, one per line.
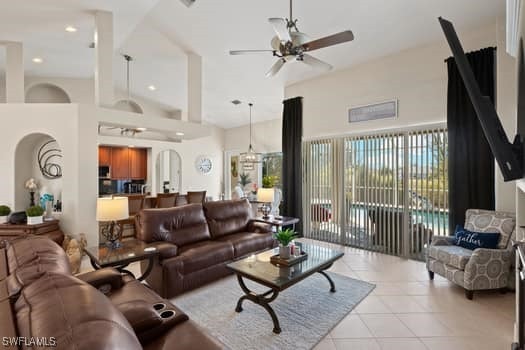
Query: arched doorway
x=169, y=171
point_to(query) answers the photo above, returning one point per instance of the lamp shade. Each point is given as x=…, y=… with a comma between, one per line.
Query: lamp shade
x=112, y=209
x=265, y=195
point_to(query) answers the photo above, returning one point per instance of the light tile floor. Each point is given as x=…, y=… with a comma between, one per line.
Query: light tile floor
x=406, y=311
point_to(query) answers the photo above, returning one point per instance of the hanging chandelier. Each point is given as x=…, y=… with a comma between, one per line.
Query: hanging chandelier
x=251, y=156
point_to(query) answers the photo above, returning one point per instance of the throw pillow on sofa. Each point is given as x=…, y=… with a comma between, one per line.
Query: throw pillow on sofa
x=473, y=240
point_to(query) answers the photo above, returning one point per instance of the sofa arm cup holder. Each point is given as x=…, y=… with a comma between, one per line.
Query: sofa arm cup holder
x=167, y=314
x=159, y=306
x=168, y=317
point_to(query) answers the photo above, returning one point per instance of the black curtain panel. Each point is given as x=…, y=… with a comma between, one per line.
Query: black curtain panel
x=292, y=178
x=470, y=161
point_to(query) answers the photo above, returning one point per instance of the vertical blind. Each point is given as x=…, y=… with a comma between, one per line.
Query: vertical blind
x=385, y=192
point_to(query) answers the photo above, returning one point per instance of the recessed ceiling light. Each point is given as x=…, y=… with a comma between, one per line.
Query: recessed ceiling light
x=71, y=29
x=179, y=133
x=152, y=87
x=37, y=60
x=141, y=129
x=131, y=146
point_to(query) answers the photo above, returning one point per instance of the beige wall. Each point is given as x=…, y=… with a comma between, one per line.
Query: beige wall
x=418, y=79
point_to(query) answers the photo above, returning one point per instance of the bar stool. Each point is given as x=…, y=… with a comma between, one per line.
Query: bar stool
x=166, y=200
x=135, y=204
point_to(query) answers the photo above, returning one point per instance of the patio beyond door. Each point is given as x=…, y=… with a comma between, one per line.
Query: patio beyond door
x=384, y=192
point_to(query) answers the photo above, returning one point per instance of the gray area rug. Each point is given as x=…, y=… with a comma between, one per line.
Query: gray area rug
x=306, y=312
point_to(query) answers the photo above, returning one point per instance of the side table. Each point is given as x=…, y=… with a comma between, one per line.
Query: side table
x=131, y=250
x=278, y=221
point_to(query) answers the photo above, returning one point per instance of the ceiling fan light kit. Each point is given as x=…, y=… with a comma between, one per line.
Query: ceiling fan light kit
x=289, y=44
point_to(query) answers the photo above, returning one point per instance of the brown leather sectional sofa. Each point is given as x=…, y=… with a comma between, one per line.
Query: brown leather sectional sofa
x=41, y=301
x=197, y=241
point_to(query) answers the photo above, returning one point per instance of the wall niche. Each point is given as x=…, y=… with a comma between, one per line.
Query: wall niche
x=46, y=93
x=44, y=166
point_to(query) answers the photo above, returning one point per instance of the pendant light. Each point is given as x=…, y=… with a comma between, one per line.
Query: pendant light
x=251, y=156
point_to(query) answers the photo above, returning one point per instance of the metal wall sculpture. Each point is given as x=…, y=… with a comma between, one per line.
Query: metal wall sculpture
x=49, y=160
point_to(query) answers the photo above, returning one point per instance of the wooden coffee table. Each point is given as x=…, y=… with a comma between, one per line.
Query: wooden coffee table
x=259, y=269
x=130, y=251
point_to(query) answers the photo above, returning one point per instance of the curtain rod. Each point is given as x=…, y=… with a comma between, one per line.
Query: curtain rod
x=489, y=47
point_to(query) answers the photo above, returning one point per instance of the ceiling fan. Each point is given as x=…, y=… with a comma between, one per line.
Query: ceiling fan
x=290, y=44
x=123, y=130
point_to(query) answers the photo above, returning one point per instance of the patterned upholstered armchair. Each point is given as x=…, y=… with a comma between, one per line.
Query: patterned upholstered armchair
x=478, y=269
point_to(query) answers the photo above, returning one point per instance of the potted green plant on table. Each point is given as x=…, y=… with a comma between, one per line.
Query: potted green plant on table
x=35, y=215
x=285, y=237
x=4, y=213
x=269, y=181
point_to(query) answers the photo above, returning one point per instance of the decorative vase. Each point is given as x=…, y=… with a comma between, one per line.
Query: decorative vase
x=35, y=220
x=284, y=251
x=3, y=219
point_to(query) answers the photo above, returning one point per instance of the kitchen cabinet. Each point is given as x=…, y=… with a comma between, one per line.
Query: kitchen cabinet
x=120, y=163
x=125, y=163
x=104, y=156
x=138, y=163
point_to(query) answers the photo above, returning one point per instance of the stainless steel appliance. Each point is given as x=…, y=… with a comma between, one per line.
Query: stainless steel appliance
x=104, y=172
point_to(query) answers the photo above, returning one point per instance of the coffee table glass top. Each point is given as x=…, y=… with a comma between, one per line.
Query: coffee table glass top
x=131, y=250
x=259, y=268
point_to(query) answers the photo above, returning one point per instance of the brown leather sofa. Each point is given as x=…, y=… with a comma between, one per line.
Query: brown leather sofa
x=41, y=300
x=197, y=241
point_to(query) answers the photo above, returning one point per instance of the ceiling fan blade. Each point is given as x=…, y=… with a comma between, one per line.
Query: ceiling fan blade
x=280, y=26
x=331, y=40
x=316, y=63
x=276, y=67
x=248, y=52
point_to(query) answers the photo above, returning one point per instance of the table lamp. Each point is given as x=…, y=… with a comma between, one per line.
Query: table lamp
x=112, y=210
x=266, y=196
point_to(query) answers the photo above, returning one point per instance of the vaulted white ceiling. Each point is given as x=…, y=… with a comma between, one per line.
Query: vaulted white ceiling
x=157, y=33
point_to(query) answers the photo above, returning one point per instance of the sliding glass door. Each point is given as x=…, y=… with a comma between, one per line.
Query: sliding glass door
x=385, y=192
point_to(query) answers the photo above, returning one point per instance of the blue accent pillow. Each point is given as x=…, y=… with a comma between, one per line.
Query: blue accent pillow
x=472, y=240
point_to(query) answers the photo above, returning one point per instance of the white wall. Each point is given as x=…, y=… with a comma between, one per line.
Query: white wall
x=82, y=91
x=77, y=138
x=506, y=104
x=266, y=138
x=75, y=127
x=417, y=77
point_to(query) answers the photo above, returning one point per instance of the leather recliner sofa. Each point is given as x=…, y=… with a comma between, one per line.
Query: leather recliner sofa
x=196, y=242
x=42, y=305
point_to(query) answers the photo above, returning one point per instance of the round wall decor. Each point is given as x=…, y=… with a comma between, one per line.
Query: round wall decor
x=203, y=164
